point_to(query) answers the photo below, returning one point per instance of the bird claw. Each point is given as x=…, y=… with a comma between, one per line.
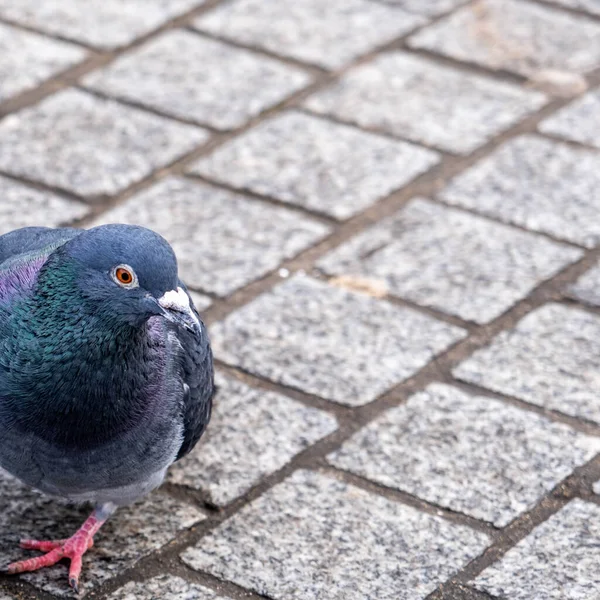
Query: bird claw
x=73, y=548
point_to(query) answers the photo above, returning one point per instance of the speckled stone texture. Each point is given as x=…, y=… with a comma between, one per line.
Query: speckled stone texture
x=309, y=538
x=577, y=122
x=223, y=240
x=22, y=206
x=328, y=34
x=77, y=142
x=27, y=59
x=252, y=433
x=201, y=302
x=104, y=23
x=591, y=6
x=440, y=106
x=164, y=587
x=515, y=35
x=551, y=358
x=334, y=169
x=557, y=561
x=129, y=535
x=430, y=8
x=587, y=287
x=471, y=454
x=188, y=76
x=539, y=184
x=450, y=260
x=339, y=345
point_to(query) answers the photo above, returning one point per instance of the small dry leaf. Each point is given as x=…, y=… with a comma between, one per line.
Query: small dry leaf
x=365, y=285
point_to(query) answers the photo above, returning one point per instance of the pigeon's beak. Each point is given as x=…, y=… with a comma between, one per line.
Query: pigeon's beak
x=177, y=309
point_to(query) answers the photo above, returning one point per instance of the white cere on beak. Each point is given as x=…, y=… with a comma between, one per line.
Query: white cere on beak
x=176, y=300
x=177, y=304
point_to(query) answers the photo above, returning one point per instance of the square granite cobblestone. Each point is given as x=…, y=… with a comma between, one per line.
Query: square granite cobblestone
x=587, y=287
x=557, y=561
x=27, y=59
x=22, y=206
x=105, y=24
x=130, y=534
x=577, y=122
x=164, y=587
x=450, y=260
x=328, y=34
x=551, y=358
x=515, y=35
x=471, y=454
x=186, y=75
x=322, y=166
x=77, y=142
x=428, y=8
x=223, y=240
x=340, y=345
x=538, y=184
x=313, y=537
x=252, y=433
x=440, y=106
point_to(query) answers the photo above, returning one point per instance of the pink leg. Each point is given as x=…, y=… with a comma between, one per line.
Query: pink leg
x=73, y=548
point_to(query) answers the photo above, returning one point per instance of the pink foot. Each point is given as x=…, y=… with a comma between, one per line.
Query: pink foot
x=73, y=548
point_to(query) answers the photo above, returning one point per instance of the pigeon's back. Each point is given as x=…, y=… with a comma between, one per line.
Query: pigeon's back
x=22, y=254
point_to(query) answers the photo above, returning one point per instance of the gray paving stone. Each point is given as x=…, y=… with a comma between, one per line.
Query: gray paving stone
x=328, y=34
x=322, y=166
x=339, y=345
x=223, y=240
x=90, y=146
x=591, y=6
x=550, y=359
x=186, y=75
x=201, y=302
x=131, y=534
x=441, y=106
x=165, y=587
x=539, y=184
x=471, y=454
x=22, y=206
x=307, y=539
x=587, y=287
x=515, y=35
x=429, y=8
x=252, y=433
x=577, y=122
x=104, y=23
x=27, y=59
x=450, y=260
x=557, y=561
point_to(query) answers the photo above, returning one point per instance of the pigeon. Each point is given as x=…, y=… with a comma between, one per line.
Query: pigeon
x=106, y=371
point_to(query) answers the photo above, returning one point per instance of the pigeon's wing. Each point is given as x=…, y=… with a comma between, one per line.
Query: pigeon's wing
x=198, y=383
x=33, y=240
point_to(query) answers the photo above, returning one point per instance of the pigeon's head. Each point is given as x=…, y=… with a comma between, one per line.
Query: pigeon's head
x=126, y=273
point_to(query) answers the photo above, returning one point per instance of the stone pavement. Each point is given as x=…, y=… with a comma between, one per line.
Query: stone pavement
x=389, y=211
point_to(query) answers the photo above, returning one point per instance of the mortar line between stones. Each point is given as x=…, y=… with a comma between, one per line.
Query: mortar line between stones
x=551, y=503
x=578, y=12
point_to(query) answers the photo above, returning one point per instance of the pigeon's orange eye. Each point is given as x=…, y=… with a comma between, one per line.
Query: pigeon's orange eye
x=125, y=276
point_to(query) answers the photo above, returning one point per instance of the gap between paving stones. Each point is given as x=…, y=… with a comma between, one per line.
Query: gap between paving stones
x=580, y=12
